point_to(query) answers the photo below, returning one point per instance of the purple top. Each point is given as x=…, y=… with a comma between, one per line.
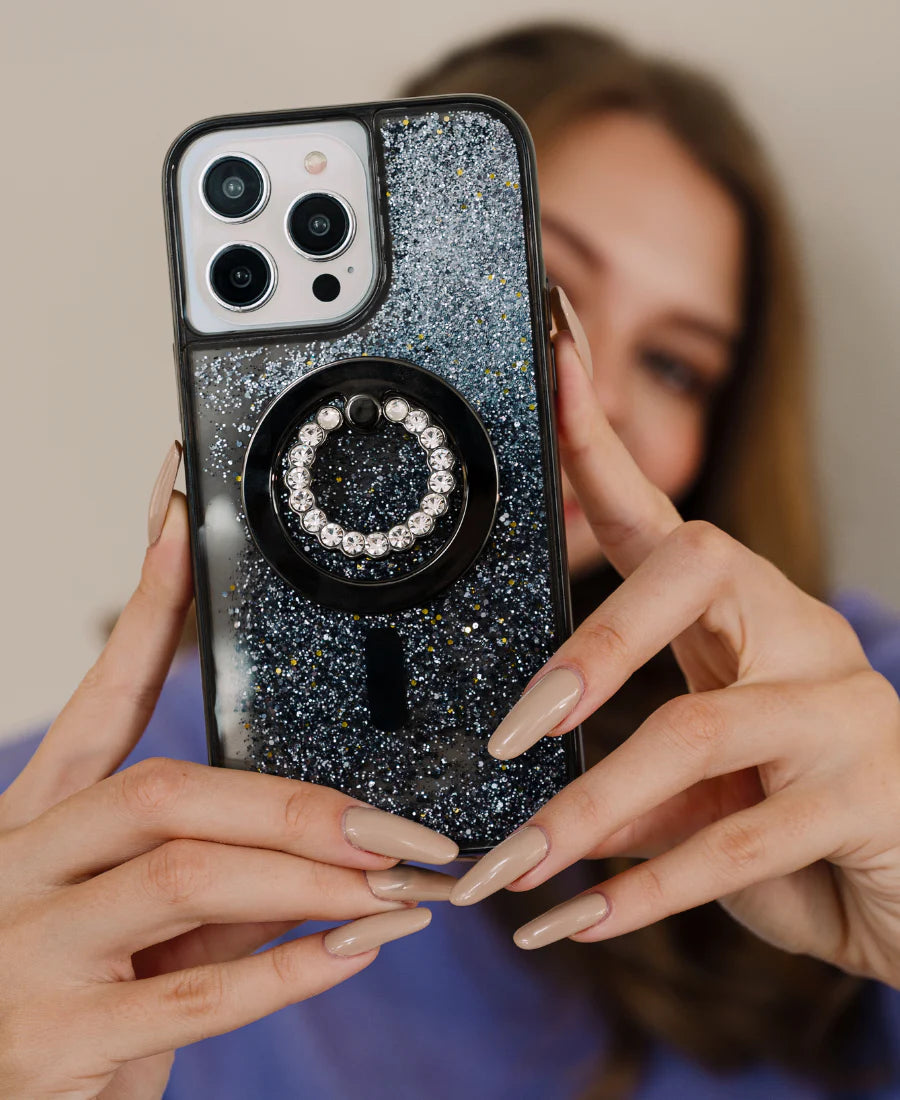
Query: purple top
x=457, y=1010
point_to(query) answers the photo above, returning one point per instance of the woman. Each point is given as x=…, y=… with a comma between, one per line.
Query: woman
x=771, y=785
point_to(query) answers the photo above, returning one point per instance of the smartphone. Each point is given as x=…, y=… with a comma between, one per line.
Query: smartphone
x=366, y=389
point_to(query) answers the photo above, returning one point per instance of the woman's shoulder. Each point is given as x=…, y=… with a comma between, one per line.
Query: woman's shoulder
x=877, y=627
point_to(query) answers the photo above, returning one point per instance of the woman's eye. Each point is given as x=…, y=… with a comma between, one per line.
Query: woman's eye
x=675, y=373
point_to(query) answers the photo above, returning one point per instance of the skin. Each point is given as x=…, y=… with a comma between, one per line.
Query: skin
x=648, y=248
x=772, y=785
x=132, y=902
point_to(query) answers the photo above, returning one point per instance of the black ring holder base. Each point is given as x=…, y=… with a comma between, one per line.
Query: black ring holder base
x=380, y=378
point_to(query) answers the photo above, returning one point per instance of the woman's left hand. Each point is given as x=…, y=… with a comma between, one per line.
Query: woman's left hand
x=773, y=786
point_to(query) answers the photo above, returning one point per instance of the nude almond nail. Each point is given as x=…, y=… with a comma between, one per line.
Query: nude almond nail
x=410, y=884
x=566, y=319
x=389, y=835
x=501, y=866
x=539, y=710
x=162, y=493
x=563, y=920
x=369, y=932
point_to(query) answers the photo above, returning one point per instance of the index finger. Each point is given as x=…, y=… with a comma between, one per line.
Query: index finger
x=104, y=719
x=159, y=800
x=628, y=514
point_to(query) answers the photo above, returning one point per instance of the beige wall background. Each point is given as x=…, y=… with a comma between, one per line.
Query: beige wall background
x=94, y=92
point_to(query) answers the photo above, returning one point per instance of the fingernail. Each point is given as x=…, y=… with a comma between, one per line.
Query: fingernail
x=563, y=920
x=369, y=932
x=566, y=319
x=410, y=884
x=501, y=866
x=162, y=493
x=389, y=835
x=539, y=710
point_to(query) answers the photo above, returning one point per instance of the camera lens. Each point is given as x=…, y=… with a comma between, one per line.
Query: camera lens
x=234, y=188
x=320, y=225
x=241, y=277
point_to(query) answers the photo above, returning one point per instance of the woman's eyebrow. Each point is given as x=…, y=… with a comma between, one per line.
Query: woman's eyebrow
x=713, y=331
x=716, y=332
x=573, y=240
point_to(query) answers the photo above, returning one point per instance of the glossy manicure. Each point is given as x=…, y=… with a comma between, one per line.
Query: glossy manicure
x=370, y=932
x=162, y=493
x=501, y=866
x=563, y=920
x=566, y=320
x=539, y=710
x=410, y=884
x=389, y=835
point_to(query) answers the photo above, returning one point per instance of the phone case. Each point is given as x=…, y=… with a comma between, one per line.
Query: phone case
x=384, y=676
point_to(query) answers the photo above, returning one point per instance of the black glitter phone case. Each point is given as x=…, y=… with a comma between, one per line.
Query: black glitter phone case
x=375, y=510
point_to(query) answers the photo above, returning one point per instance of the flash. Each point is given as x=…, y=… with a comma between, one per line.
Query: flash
x=315, y=162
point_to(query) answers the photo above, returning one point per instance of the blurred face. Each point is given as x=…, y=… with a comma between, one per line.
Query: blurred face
x=648, y=246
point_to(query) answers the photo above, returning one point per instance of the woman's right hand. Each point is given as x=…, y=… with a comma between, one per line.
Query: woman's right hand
x=131, y=902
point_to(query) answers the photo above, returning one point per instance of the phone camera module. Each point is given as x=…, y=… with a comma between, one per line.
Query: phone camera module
x=242, y=276
x=320, y=225
x=234, y=188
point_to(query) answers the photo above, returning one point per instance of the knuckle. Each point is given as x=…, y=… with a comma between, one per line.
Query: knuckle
x=586, y=808
x=197, y=993
x=286, y=963
x=879, y=699
x=296, y=811
x=324, y=885
x=837, y=626
x=704, y=542
x=605, y=638
x=150, y=788
x=695, y=724
x=653, y=894
x=177, y=871
x=106, y=684
x=735, y=847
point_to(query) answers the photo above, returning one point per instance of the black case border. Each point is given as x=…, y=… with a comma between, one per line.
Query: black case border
x=187, y=338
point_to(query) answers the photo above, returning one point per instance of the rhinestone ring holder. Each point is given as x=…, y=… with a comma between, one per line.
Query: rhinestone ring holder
x=460, y=482
x=396, y=410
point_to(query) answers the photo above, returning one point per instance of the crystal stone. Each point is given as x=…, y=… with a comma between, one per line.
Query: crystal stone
x=400, y=537
x=331, y=535
x=416, y=420
x=302, y=455
x=328, y=417
x=298, y=477
x=377, y=544
x=441, y=459
x=314, y=520
x=396, y=409
x=435, y=504
x=420, y=523
x=353, y=543
x=311, y=434
x=302, y=500
x=441, y=481
x=431, y=437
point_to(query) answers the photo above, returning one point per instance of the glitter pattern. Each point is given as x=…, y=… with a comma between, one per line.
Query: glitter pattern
x=289, y=674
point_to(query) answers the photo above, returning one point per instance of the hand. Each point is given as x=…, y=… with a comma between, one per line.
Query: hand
x=131, y=902
x=772, y=786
